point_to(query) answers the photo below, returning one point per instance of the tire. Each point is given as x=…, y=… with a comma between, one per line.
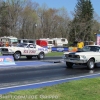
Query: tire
x=17, y=55
x=29, y=57
x=41, y=55
x=69, y=65
x=91, y=64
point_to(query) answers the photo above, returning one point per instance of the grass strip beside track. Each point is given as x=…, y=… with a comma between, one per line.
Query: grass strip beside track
x=85, y=89
x=53, y=54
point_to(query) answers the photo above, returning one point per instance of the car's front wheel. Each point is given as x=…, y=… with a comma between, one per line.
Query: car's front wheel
x=17, y=55
x=69, y=65
x=91, y=64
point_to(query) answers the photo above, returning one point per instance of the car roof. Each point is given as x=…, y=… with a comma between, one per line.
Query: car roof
x=93, y=45
x=26, y=43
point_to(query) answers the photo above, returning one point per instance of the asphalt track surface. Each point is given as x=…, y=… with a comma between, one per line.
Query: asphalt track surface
x=34, y=74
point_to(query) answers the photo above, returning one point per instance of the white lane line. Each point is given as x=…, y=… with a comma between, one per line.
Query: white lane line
x=73, y=78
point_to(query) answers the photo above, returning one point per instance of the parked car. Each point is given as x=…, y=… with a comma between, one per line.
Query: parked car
x=89, y=56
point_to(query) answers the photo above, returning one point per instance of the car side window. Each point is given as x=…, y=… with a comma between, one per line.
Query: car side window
x=93, y=48
x=31, y=46
x=97, y=49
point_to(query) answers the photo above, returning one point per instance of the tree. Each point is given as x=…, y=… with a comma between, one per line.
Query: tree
x=3, y=19
x=53, y=22
x=28, y=20
x=83, y=19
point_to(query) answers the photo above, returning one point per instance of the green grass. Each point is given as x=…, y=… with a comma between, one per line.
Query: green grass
x=55, y=54
x=85, y=89
x=0, y=54
x=51, y=54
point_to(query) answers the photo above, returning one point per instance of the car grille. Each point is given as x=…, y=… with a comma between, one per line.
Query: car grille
x=4, y=50
x=72, y=56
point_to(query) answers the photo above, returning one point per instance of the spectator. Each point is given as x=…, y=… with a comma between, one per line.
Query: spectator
x=80, y=45
x=7, y=44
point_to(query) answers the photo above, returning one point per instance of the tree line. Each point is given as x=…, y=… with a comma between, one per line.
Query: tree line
x=27, y=19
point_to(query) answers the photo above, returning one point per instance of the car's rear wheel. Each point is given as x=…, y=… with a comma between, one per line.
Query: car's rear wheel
x=91, y=64
x=69, y=65
x=17, y=55
x=41, y=55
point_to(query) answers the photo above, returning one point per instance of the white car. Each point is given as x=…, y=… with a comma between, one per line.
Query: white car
x=25, y=49
x=89, y=56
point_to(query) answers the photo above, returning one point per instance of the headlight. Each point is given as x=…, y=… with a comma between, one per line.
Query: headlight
x=82, y=56
x=10, y=50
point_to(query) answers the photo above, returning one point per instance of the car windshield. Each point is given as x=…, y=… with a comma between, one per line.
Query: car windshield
x=91, y=48
x=22, y=45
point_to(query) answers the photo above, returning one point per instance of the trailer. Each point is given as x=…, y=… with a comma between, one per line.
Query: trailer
x=8, y=40
x=60, y=42
x=54, y=42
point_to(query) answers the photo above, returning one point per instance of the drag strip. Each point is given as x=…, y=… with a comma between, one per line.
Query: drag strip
x=35, y=74
x=44, y=84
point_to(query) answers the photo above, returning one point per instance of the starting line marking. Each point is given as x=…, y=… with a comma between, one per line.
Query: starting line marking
x=27, y=63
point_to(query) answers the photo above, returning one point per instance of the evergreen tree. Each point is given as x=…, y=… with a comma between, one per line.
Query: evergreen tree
x=82, y=22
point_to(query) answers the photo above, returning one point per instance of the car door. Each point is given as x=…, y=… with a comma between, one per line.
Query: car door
x=25, y=51
x=32, y=49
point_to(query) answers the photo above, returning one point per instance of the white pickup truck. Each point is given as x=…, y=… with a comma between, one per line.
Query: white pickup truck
x=89, y=56
x=25, y=49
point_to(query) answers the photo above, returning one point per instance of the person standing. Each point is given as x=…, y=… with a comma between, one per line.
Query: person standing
x=80, y=45
x=7, y=44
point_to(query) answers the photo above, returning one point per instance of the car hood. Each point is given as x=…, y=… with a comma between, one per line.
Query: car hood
x=84, y=53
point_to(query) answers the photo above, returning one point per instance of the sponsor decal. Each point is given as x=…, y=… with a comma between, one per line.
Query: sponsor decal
x=7, y=60
x=43, y=49
x=1, y=59
x=60, y=49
